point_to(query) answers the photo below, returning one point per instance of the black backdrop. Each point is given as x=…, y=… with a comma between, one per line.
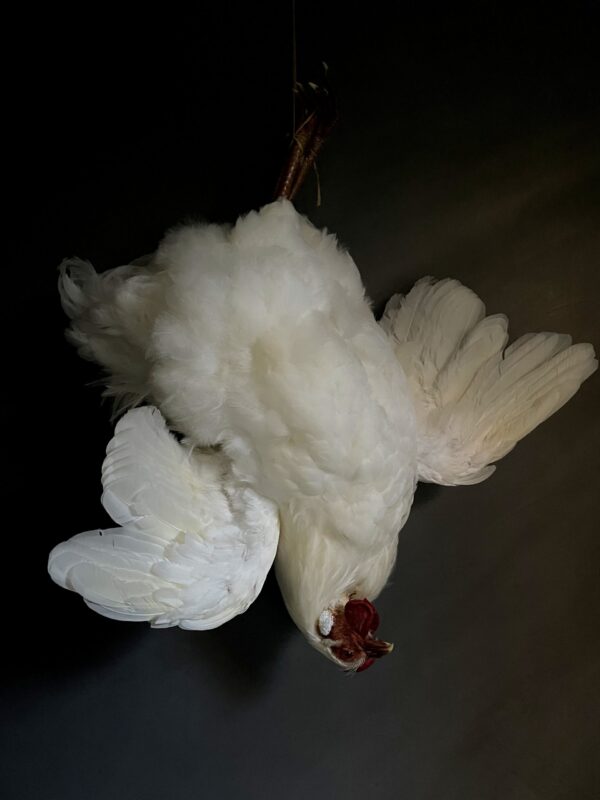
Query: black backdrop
x=468, y=146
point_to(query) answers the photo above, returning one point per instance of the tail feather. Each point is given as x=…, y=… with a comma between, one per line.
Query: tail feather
x=111, y=320
x=476, y=398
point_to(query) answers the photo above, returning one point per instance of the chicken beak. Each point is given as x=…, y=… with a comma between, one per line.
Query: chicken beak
x=376, y=648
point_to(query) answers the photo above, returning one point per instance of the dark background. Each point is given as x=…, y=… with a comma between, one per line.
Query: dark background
x=468, y=146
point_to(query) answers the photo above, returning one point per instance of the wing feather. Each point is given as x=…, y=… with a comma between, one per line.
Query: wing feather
x=194, y=546
x=474, y=397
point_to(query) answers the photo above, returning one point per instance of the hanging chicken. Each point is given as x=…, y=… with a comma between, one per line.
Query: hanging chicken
x=306, y=424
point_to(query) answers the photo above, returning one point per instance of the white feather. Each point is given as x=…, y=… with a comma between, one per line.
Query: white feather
x=475, y=399
x=195, y=546
x=112, y=317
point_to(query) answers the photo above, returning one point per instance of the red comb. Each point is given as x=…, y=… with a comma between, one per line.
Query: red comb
x=362, y=616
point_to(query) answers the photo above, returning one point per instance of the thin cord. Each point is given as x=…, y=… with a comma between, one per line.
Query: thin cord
x=294, y=68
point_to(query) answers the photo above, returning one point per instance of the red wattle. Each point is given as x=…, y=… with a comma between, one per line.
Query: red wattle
x=367, y=663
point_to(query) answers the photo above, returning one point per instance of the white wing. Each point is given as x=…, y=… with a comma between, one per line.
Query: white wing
x=195, y=546
x=473, y=398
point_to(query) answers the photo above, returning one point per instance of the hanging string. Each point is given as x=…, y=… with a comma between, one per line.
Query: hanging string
x=319, y=116
x=294, y=67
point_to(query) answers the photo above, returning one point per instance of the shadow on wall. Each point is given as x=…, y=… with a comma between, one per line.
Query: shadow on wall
x=244, y=652
x=426, y=492
x=70, y=641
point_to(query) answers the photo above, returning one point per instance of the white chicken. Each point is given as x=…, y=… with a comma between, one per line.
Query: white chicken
x=306, y=424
